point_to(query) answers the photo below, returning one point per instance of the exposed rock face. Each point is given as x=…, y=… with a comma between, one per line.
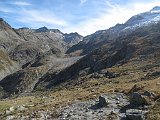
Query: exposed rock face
x=8, y=41
x=9, y=38
x=44, y=38
x=21, y=46
x=21, y=81
x=72, y=38
x=28, y=79
x=7, y=65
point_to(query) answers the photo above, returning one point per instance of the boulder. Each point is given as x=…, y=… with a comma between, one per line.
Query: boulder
x=138, y=99
x=112, y=75
x=8, y=112
x=21, y=108
x=12, y=109
x=97, y=75
x=102, y=102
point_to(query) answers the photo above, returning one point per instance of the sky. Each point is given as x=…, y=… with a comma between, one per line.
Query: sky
x=82, y=16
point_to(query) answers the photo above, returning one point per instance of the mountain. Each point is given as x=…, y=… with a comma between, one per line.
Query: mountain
x=21, y=46
x=140, y=46
x=152, y=16
x=73, y=38
x=101, y=37
x=8, y=41
x=107, y=48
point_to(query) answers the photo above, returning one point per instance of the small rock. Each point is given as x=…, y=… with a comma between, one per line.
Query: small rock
x=69, y=115
x=10, y=117
x=113, y=116
x=21, y=108
x=112, y=75
x=30, y=105
x=149, y=94
x=102, y=102
x=97, y=75
x=8, y=112
x=117, y=102
x=12, y=109
x=117, y=98
x=100, y=111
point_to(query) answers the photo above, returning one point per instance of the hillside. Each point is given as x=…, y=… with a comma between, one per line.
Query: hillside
x=21, y=46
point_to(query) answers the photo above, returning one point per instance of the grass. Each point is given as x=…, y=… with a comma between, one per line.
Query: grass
x=154, y=113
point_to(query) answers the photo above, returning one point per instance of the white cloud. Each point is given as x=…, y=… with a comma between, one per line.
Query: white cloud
x=40, y=17
x=83, y=1
x=109, y=15
x=116, y=14
x=21, y=3
x=5, y=10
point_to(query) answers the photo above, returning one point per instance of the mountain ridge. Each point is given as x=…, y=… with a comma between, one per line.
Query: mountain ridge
x=135, y=22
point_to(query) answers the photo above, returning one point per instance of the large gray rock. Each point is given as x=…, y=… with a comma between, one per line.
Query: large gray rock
x=137, y=99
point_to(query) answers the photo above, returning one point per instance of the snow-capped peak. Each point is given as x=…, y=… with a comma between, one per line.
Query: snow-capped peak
x=144, y=19
x=155, y=9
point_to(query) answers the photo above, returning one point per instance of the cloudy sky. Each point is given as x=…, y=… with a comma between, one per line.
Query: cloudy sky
x=82, y=16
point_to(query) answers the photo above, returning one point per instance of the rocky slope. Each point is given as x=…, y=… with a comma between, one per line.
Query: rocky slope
x=7, y=65
x=21, y=46
x=8, y=41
